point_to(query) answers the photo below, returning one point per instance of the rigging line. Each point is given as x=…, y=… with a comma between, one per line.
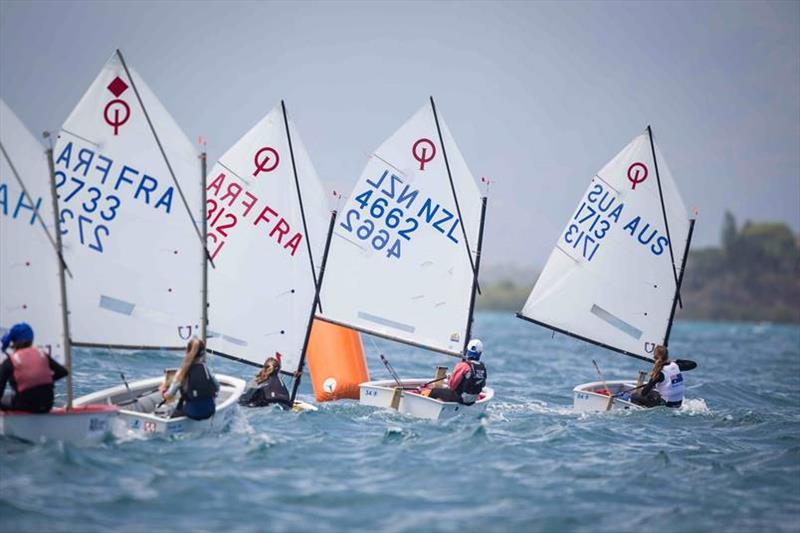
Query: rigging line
x=299, y=197
x=62, y=282
x=84, y=139
x=478, y=255
x=235, y=175
x=206, y=258
x=37, y=214
x=455, y=196
x=680, y=281
x=163, y=153
x=314, y=306
x=389, y=164
x=664, y=212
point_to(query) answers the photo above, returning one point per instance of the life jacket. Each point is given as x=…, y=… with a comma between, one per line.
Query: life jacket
x=270, y=392
x=31, y=368
x=198, y=384
x=473, y=382
x=672, y=387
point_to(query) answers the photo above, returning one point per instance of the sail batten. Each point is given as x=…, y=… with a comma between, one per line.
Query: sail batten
x=613, y=274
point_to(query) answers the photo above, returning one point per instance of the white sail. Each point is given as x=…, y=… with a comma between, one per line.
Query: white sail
x=398, y=265
x=610, y=278
x=261, y=291
x=133, y=249
x=29, y=284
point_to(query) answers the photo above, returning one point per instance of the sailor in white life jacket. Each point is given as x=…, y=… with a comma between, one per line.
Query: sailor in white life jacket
x=666, y=385
x=30, y=372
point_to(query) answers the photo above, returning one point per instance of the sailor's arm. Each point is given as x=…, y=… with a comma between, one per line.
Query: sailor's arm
x=58, y=370
x=685, y=364
x=6, y=369
x=457, y=375
x=652, y=383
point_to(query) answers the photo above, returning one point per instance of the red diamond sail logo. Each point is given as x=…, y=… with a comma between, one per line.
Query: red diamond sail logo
x=117, y=87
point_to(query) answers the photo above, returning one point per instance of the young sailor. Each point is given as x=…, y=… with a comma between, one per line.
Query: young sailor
x=267, y=388
x=31, y=372
x=197, y=385
x=467, y=379
x=666, y=386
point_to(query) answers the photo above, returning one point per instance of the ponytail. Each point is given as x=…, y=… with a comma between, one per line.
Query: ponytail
x=660, y=360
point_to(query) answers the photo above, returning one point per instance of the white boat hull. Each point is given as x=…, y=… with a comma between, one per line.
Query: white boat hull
x=85, y=425
x=380, y=394
x=143, y=421
x=586, y=399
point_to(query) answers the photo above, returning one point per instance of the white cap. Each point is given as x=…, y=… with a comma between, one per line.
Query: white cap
x=475, y=348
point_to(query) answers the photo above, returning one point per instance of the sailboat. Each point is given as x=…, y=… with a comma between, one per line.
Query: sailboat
x=268, y=216
x=32, y=280
x=614, y=276
x=130, y=188
x=402, y=266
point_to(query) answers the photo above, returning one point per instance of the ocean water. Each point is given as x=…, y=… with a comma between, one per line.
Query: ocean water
x=728, y=461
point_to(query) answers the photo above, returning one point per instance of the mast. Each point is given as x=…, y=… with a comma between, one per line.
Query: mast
x=455, y=196
x=677, y=297
x=204, y=231
x=299, y=194
x=664, y=212
x=62, y=285
x=468, y=335
x=317, y=287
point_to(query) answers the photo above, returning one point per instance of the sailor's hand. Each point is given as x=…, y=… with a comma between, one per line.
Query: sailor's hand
x=167, y=397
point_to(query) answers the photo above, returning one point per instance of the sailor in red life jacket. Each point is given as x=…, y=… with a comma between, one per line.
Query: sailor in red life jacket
x=467, y=379
x=666, y=386
x=30, y=371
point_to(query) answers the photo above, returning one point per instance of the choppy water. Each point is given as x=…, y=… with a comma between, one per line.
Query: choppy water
x=730, y=461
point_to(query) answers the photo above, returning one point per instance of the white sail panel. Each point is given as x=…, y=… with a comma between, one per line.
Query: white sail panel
x=610, y=278
x=261, y=290
x=29, y=284
x=134, y=250
x=398, y=265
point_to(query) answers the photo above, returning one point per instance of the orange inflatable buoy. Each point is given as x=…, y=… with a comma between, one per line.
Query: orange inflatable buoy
x=336, y=362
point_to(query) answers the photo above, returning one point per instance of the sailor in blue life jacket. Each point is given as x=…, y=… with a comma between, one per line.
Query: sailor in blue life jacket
x=666, y=386
x=196, y=383
x=31, y=372
x=467, y=379
x=267, y=388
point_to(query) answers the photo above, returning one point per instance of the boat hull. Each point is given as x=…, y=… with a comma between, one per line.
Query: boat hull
x=141, y=420
x=82, y=425
x=586, y=399
x=381, y=394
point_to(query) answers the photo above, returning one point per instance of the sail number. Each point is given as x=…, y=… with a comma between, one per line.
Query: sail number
x=597, y=214
x=82, y=216
x=391, y=218
x=90, y=187
x=389, y=211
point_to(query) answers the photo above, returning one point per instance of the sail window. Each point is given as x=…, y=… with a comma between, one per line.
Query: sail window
x=386, y=322
x=118, y=306
x=616, y=321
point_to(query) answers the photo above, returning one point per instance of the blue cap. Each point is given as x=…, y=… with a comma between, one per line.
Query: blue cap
x=19, y=333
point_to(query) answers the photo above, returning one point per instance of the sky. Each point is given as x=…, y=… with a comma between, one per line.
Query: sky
x=539, y=96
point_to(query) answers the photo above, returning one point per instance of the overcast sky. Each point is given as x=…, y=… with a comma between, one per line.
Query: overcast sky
x=539, y=96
